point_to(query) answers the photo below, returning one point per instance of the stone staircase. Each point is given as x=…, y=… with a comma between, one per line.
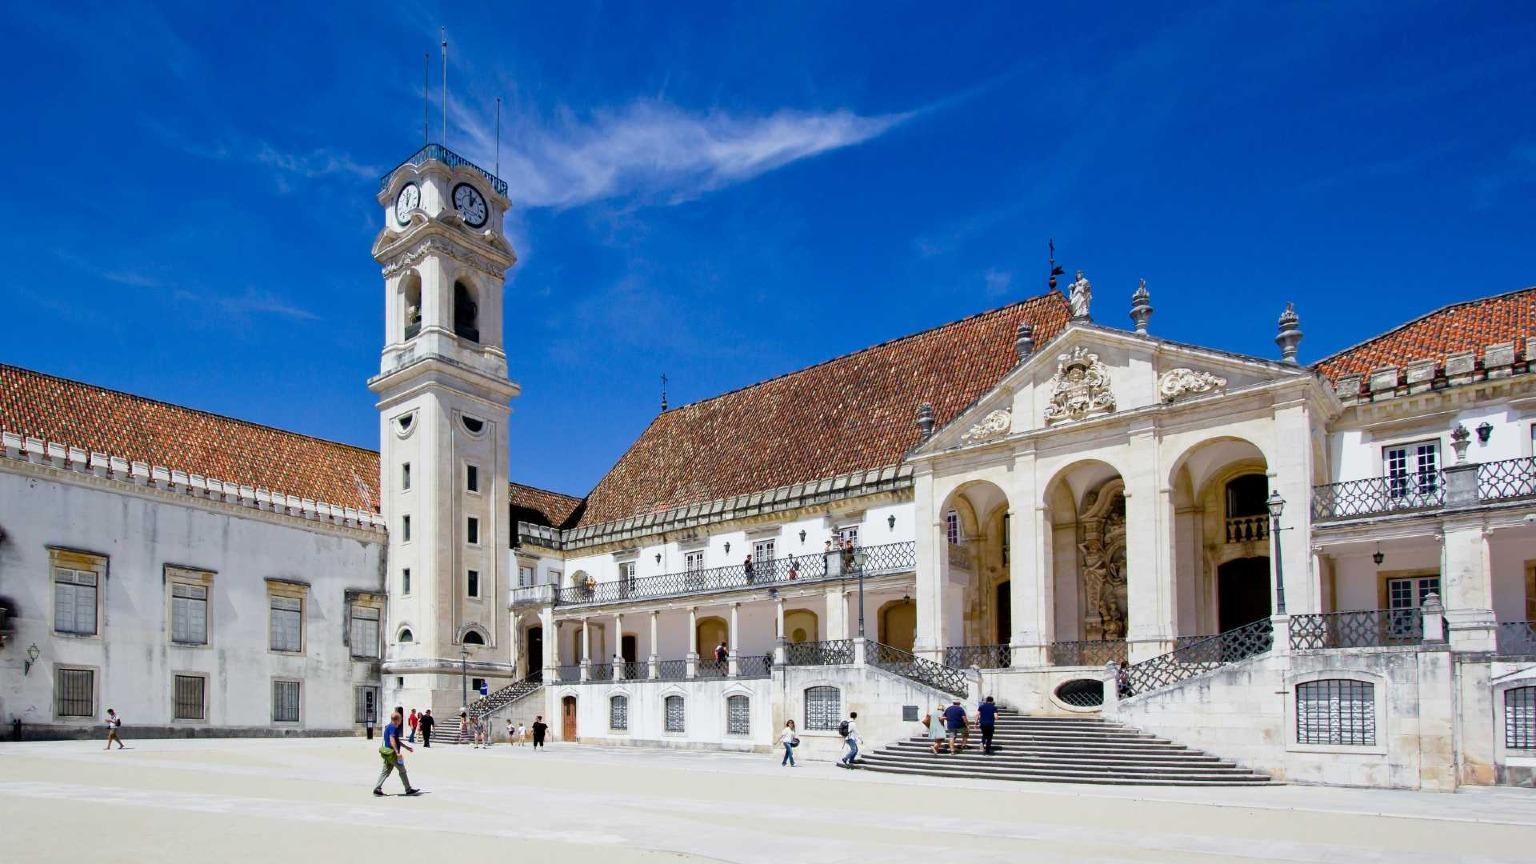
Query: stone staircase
x=1066, y=750
x=447, y=731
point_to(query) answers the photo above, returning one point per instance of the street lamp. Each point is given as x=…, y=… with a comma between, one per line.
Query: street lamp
x=859, y=558
x=1276, y=506
x=464, y=674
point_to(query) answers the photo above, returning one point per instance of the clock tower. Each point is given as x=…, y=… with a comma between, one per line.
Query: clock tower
x=443, y=398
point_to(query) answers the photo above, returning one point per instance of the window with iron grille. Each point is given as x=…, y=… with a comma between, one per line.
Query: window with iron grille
x=1520, y=718
x=952, y=526
x=365, y=631
x=1412, y=469
x=285, y=701
x=674, y=709
x=738, y=715
x=367, y=705
x=1336, y=711
x=823, y=708
x=189, y=697
x=287, y=624
x=618, y=713
x=848, y=534
x=524, y=577
x=74, y=601
x=189, y=614
x=74, y=692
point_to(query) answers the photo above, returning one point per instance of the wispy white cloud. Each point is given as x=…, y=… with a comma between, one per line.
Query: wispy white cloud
x=286, y=165
x=997, y=281
x=657, y=152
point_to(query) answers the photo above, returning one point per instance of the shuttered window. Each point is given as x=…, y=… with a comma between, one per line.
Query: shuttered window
x=1336, y=711
x=365, y=631
x=287, y=624
x=823, y=708
x=367, y=707
x=74, y=692
x=738, y=715
x=674, y=708
x=618, y=713
x=285, y=701
x=1520, y=718
x=189, y=698
x=74, y=601
x=189, y=614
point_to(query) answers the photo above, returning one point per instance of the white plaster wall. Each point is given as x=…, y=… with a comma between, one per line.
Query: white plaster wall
x=876, y=695
x=1356, y=453
x=704, y=717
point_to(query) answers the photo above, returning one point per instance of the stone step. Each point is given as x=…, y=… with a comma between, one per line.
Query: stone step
x=1002, y=760
x=1086, y=771
x=1224, y=779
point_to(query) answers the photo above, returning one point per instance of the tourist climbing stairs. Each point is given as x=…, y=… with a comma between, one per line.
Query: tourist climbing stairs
x=1065, y=750
x=447, y=731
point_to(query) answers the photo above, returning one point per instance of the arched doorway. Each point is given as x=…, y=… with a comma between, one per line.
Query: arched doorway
x=974, y=540
x=800, y=625
x=534, y=653
x=568, y=718
x=711, y=632
x=898, y=623
x=1242, y=591
x=1003, y=603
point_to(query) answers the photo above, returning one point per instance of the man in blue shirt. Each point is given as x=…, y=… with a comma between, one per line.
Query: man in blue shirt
x=986, y=718
x=394, y=760
x=954, y=722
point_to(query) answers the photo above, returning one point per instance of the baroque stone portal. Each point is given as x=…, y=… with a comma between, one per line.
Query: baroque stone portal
x=1103, y=563
x=1080, y=388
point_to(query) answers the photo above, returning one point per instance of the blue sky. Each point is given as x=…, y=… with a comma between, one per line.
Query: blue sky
x=724, y=193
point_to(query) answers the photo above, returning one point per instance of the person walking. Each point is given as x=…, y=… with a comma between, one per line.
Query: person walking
x=849, y=729
x=790, y=741
x=955, y=722
x=427, y=722
x=722, y=658
x=394, y=760
x=936, y=729
x=794, y=569
x=539, y=728
x=511, y=732
x=464, y=732
x=412, y=722
x=522, y=734
x=748, y=570
x=986, y=719
x=114, y=726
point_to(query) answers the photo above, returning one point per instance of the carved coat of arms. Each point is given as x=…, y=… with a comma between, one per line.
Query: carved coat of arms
x=1080, y=388
x=1186, y=382
x=994, y=425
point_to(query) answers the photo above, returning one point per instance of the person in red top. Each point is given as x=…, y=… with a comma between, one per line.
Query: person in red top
x=413, y=721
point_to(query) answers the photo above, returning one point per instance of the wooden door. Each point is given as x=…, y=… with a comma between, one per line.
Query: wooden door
x=568, y=718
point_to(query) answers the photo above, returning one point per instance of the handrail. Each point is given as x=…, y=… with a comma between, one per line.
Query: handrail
x=1088, y=652
x=919, y=669
x=1507, y=478
x=452, y=159
x=1199, y=657
x=980, y=656
x=832, y=652
x=1375, y=495
x=1516, y=638
x=1367, y=628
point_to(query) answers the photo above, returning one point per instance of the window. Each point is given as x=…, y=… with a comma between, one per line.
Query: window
x=524, y=576
x=1520, y=718
x=473, y=637
x=849, y=534
x=554, y=577
x=472, y=530
x=674, y=708
x=473, y=583
x=189, y=698
x=405, y=477
x=367, y=705
x=738, y=715
x=1007, y=538
x=465, y=313
x=952, y=526
x=405, y=529
x=1403, y=596
x=74, y=692
x=763, y=551
x=1336, y=711
x=472, y=478
x=287, y=624
x=189, y=615
x=405, y=581
x=472, y=425
x=285, y=701
x=626, y=576
x=365, y=631
x=693, y=562
x=74, y=601
x=618, y=713
x=823, y=708
x=909, y=713
x=407, y=636
x=1412, y=469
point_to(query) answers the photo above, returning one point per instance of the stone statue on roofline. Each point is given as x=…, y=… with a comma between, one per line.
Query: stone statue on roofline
x=1081, y=294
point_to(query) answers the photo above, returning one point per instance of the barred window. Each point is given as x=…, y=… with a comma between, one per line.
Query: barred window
x=189, y=697
x=1520, y=718
x=365, y=631
x=738, y=715
x=952, y=526
x=674, y=705
x=618, y=713
x=74, y=692
x=367, y=705
x=74, y=601
x=285, y=701
x=189, y=614
x=287, y=624
x=823, y=708
x=1336, y=711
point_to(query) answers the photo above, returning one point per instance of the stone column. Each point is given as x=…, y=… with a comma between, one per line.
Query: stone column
x=693, y=641
x=778, y=644
x=932, y=570
x=837, y=613
x=551, y=658
x=1148, y=551
x=1467, y=582
x=586, y=650
x=1031, y=585
x=733, y=666
x=655, y=646
x=1290, y=473
x=618, y=646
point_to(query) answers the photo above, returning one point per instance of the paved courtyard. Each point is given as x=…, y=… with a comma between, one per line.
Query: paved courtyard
x=308, y=800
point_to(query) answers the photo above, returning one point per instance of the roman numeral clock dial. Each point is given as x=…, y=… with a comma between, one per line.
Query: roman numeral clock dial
x=470, y=204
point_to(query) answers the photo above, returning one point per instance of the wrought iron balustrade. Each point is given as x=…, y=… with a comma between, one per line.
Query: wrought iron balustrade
x=1090, y=652
x=635, y=670
x=452, y=159
x=533, y=595
x=1507, y=479
x=672, y=670
x=1516, y=637
x=754, y=666
x=787, y=570
x=833, y=652
x=569, y=672
x=1244, y=529
x=1374, y=496
x=919, y=669
x=1198, y=657
x=980, y=656
x=1370, y=628
x=600, y=672
x=709, y=667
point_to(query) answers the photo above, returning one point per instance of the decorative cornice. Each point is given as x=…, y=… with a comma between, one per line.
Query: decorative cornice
x=995, y=425
x=431, y=244
x=1176, y=383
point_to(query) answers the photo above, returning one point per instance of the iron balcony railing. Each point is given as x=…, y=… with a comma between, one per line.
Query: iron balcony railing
x=1507, y=479
x=838, y=564
x=1371, y=628
x=452, y=159
x=672, y=670
x=1198, y=657
x=1092, y=652
x=1242, y=529
x=1517, y=638
x=915, y=668
x=600, y=672
x=980, y=656
x=1373, y=496
x=635, y=670
x=569, y=673
x=754, y=667
x=533, y=595
x=709, y=667
x=833, y=652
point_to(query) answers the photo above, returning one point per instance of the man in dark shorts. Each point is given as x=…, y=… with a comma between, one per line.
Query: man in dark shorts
x=427, y=722
x=986, y=718
x=539, y=728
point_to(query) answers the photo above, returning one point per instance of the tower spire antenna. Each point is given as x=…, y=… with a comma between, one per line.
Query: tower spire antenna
x=663, y=392
x=498, y=136
x=443, y=32
x=426, y=98
x=1054, y=267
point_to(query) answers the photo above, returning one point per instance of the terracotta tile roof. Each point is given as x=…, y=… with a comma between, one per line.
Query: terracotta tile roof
x=851, y=413
x=139, y=429
x=542, y=507
x=1466, y=326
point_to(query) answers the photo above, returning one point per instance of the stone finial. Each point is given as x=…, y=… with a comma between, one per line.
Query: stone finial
x=1024, y=342
x=1290, y=334
x=1080, y=296
x=1460, y=440
x=925, y=420
x=1141, y=307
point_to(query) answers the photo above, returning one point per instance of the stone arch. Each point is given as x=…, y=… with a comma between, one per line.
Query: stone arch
x=1214, y=550
x=975, y=565
x=897, y=620
x=473, y=634
x=710, y=632
x=410, y=305
x=466, y=309
x=1086, y=551
x=801, y=625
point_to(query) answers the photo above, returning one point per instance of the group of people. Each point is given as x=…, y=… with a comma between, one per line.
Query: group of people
x=397, y=740
x=949, y=728
x=789, y=737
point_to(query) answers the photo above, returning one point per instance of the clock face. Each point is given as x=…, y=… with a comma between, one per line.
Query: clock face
x=408, y=199
x=470, y=204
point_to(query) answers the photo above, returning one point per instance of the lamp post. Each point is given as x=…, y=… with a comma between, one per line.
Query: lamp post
x=464, y=674
x=1276, y=506
x=859, y=558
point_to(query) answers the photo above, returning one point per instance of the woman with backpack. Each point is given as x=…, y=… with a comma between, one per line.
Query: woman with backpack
x=790, y=741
